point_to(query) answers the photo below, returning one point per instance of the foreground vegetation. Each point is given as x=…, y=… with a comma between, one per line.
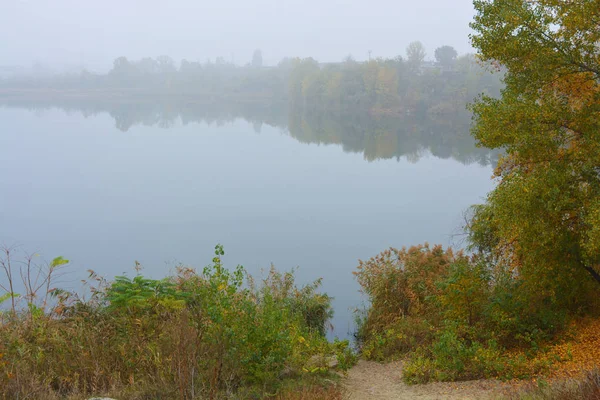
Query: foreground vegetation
x=455, y=318
x=193, y=335
x=533, y=263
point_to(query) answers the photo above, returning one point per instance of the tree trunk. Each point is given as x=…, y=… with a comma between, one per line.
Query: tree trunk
x=592, y=272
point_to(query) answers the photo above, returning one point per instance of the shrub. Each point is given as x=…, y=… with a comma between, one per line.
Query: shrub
x=398, y=339
x=456, y=317
x=400, y=285
x=452, y=357
x=188, y=336
x=465, y=292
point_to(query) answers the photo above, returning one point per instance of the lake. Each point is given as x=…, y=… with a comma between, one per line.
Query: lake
x=107, y=185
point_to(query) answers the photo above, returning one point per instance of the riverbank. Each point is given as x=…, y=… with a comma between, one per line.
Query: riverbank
x=210, y=334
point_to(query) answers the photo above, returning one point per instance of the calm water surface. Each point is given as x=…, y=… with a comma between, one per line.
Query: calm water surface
x=165, y=194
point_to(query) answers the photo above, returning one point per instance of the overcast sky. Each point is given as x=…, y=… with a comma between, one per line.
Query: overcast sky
x=64, y=33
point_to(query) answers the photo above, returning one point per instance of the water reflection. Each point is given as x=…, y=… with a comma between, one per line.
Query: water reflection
x=443, y=135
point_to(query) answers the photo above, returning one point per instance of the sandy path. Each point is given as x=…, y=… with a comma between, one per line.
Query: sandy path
x=374, y=381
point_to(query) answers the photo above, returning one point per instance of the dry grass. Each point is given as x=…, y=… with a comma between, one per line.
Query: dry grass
x=295, y=392
x=585, y=387
x=332, y=392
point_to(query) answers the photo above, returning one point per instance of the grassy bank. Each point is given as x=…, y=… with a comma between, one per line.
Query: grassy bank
x=214, y=334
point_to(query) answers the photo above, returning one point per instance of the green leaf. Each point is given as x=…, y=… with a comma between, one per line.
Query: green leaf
x=58, y=261
x=7, y=296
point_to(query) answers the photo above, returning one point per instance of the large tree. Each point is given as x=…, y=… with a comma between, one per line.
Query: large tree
x=257, y=59
x=543, y=218
x=446, y=55
x=415, y=54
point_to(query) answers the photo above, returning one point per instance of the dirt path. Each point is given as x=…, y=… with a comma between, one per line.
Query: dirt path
x=373, y=381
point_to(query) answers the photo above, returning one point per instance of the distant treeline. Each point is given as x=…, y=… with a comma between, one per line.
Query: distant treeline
x=402, y=85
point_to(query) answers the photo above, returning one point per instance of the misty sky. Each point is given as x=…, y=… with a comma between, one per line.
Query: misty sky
x=64, y=33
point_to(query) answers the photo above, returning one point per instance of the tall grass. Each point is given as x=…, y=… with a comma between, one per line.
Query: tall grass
x=192, y=335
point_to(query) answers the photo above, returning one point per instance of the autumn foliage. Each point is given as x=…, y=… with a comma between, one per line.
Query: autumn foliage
x=543, y=217
x=505, y=311
x=399, y=285
x=541, y=223
x=580, y=349
x=459, y=317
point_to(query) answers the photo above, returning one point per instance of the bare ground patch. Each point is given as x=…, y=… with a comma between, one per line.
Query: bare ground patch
x=374, y=381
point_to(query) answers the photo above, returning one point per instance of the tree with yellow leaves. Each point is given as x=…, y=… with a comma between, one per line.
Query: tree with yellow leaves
x=542, y=221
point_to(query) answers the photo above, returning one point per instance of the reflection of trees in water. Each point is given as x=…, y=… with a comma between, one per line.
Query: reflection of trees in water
x=444, y=136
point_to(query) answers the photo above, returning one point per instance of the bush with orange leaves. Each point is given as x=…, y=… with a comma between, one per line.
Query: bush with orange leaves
x=400, y=285
x=458, y=317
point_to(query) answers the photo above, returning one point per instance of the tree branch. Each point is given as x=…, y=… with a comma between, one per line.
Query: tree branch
x=592, y=272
